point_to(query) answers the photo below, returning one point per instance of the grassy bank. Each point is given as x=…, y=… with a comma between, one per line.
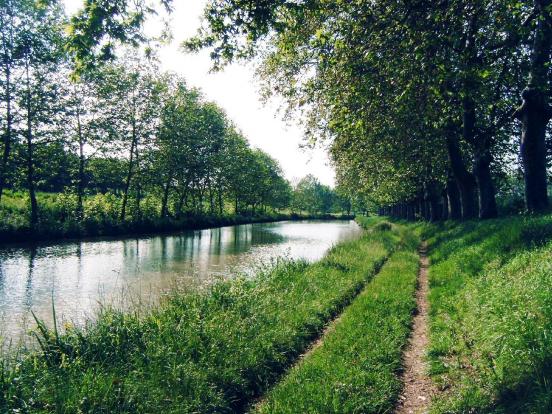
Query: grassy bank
x=101, y=217
x=204, y=352
x=491, y=318
x=354, y=370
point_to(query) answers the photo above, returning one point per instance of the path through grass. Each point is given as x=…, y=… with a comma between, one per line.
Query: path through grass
x=355, y=368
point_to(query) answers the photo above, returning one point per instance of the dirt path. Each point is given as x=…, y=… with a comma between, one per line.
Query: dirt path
x=418, y=388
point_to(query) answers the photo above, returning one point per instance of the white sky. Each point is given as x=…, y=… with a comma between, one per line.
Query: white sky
x=235, y=90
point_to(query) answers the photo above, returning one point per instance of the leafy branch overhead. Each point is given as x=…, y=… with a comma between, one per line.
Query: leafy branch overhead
x=101, y=25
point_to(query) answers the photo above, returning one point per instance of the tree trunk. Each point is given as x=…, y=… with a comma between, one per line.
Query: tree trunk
x=464, y=179
x=487, y=200
x=410, y=213
x=417, y=209
x=424, y=209
x=435, y=209
x=220, y=201
x=445, y=209
x=535, y=112
x=30, y=160
x=211, y=199
x=165, y=201
x=8, y=134
x=82, y=160
x=453, y=196
x=181, y=201
x=128, y=177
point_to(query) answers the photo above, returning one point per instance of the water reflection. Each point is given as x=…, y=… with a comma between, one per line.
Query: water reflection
x=79, y=276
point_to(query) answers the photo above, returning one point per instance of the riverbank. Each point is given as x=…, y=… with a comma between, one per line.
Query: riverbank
x=204, y=352
x=156, y=226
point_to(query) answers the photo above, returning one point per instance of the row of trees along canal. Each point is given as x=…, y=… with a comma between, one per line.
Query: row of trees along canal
x=439, y=108
x=122, y=140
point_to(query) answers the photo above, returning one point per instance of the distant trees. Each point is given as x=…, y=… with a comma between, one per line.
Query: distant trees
x=122, y=127
x=311, y=196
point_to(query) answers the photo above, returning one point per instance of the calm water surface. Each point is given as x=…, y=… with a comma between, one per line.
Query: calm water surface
x=80, y=276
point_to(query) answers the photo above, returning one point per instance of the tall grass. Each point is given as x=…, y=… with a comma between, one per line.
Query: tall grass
x=208, y=352
x=491, y=315
x=355, y=369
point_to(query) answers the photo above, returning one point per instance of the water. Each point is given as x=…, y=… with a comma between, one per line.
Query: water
x=78, y=277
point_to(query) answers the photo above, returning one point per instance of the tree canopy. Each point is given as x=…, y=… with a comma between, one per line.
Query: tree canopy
x=417, y=98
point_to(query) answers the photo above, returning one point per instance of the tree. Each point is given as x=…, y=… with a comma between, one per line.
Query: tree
x=453, y=68
x=535, y=112
x=129, y=93
x=41, y=52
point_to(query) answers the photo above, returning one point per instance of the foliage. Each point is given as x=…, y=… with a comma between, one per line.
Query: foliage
x=312, y=196
x=414, y=98
x=121, y=135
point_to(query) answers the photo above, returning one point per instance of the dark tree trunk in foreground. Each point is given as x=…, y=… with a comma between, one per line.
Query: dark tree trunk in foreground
x=534, y=117
x=487, y=192
x=535, y=112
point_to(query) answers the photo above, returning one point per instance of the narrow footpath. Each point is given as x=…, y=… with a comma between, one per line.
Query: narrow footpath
x=418, y=388
x=319, y=339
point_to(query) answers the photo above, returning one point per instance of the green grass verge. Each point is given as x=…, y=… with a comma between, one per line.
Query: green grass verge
x=491, y=315
x=355, y=368
x=208, y=352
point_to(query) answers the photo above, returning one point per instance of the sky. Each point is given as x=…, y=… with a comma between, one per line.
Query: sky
x=236, y=90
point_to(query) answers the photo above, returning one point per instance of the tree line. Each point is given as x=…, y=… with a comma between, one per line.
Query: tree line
x=122, y=127
x=431, y=108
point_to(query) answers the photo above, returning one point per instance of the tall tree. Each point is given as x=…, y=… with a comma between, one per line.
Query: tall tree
x=535, y=112
x=41, y=51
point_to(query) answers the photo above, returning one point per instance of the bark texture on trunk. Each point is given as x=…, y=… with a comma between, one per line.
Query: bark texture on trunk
x=534, y=116
x=464, y=179
x=535, y=111
x=487, y=192
x=453, y=197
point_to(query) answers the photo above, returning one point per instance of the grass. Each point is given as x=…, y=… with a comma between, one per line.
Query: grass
x=101, y=217
x=210, y=352
x=491, y=315
x=354, y=370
